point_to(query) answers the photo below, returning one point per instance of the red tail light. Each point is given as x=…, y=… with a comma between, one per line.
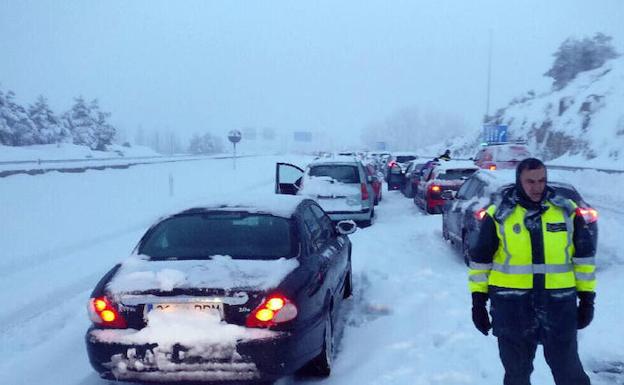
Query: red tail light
x=273, y=310
x=492, y=167
x=104, y=313
x=589, y=214
x=480, y=214
x=392, y=163
x=364, y=191
x=435, y=188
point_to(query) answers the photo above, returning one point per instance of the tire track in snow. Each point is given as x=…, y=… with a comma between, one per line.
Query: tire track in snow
x=35, y=260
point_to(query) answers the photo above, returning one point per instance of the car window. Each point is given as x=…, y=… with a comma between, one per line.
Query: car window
x=312, y=224
x=461, y=193
x=512, y=153
x=404, y=158
x=202, y=235
x=455, y=174
x=327, y=229
x=340, y=173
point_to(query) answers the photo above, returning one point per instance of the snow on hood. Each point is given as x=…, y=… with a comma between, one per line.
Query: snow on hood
x=139, y=274
x=279, y=205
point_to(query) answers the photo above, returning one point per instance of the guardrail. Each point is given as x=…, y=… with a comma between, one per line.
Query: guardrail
x=114, y=163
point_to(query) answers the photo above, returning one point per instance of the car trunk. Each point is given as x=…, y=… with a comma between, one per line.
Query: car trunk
x=226, y=288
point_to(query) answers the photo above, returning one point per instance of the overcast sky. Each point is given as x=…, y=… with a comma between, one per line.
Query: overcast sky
x=293, y=65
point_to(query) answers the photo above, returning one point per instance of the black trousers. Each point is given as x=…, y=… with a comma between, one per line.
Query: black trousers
x=522, y=319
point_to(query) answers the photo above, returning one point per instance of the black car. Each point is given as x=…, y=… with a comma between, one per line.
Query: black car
x=225, y=293
x=461, y=216
x=413, y=175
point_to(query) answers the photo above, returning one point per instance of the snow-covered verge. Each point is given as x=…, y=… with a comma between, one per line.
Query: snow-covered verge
x=409, y=320
x=64, y=151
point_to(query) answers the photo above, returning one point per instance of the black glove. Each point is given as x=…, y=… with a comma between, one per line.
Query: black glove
x=480, y=316
x=585, y=310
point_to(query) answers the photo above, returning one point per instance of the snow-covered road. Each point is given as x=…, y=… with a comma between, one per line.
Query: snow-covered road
x=408, y=322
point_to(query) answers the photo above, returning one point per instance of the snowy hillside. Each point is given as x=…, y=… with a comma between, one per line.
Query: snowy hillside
x=583, y=120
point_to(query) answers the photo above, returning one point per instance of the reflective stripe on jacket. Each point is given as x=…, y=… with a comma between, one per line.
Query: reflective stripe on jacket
x=512, y=264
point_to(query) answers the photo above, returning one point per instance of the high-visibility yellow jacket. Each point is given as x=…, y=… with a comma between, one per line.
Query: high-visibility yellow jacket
x=512, y=265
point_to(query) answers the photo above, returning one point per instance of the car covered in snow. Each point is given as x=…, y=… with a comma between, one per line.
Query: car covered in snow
x=227, y=292
x=341, y=185
x=445, y=176
x=462, y=215
x=501, y=155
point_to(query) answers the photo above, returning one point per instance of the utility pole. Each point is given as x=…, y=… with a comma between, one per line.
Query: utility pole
x=486, y=118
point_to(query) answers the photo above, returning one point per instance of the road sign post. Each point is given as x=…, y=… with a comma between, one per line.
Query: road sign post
x=234, y=136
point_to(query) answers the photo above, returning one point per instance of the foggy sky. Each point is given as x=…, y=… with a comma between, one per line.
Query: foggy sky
x=333, y=66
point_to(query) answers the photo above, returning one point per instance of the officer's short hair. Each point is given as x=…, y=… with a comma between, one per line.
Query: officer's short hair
x=529, y=164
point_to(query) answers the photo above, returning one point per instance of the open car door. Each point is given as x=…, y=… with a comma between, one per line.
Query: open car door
x=288, y=178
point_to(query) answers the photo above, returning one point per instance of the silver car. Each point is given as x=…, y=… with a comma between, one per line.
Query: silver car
x=339, y=184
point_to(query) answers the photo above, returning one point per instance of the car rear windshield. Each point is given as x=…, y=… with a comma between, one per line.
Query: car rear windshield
x=404, y=158
x=512, y=153
x=454, y=174
x=340, y=173
x=201, y=235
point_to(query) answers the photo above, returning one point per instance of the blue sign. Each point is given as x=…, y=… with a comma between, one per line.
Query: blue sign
x=495, y=133
x=302, y=136
x=380, y=146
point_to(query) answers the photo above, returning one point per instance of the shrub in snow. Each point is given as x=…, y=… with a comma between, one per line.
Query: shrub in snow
x=575, y=56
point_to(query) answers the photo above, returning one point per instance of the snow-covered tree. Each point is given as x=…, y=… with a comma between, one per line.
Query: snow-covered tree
x=575, y=56
x=104, y=131
x=205, y=144
x=80, y=123
x=6, y=131
x=49, y=127
x=88, y=125
x=22, y=129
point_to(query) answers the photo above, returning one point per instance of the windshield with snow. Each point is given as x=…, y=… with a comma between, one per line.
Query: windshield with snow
x=512, y=153
x=340, y=173
x=456, y=174
x=201, y=235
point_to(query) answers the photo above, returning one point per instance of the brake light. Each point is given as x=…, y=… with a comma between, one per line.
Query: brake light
x=435, y=188
x=364, y=191
x=492, y=167
x=392, y=163
x=104, y=313
x=480, y=214
x=589, y=214
x=273, y=310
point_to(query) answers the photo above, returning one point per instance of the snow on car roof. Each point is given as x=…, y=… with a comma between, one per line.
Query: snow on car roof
x=405, y=153
x=280, y=205
x=456, y=164
x=338, y=159
x=499, y=178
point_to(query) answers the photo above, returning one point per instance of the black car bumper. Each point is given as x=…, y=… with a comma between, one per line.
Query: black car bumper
x=252, y=360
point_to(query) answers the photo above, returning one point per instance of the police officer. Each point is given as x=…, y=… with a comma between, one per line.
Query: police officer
x=533, y=257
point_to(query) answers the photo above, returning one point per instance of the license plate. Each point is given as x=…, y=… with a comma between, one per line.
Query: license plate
x=207, y=307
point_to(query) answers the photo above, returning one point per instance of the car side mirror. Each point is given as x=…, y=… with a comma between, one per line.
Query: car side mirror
x=448, y=195
x=346, y=227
